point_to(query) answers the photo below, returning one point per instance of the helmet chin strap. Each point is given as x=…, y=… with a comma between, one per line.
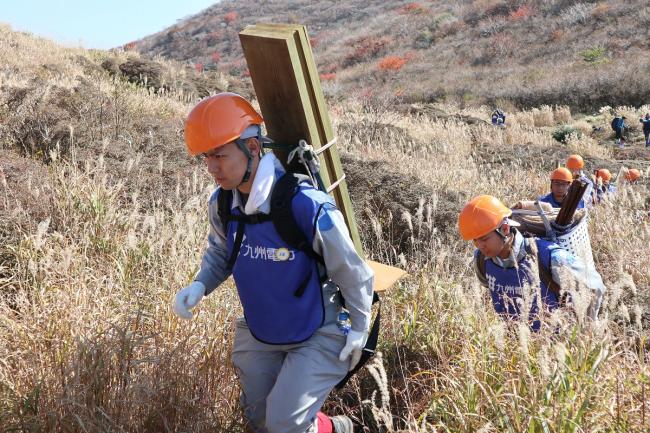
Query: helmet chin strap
x=249, y=166
x=507, y=239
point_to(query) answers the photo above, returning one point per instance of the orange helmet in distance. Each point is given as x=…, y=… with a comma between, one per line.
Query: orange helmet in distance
x=562, y=174
x=604, y=174
x=575, y=162
x=632, y=174
x=480, y=216
x=218, y=120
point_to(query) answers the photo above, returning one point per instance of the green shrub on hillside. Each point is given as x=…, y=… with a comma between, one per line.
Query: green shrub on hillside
x=563, y=132
x=593, y=55
x=424, y=39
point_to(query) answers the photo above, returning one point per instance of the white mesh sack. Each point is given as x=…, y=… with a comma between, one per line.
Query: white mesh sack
x=577, y=242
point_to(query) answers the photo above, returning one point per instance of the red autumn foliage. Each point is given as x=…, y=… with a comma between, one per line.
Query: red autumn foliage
x=413, y=8
x=130, y=46
x=365, y=49
x=216, y=56
x=522, y=13
x=198, y=67
x=313, y=41
x=392, y=63
x=229, y=17
x=328, y=77
x=246, y=73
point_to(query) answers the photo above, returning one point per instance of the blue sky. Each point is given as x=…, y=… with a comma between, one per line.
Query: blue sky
x=96, y=23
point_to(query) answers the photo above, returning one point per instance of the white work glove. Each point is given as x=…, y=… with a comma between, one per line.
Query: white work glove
x=356, y=340
x=187, y=298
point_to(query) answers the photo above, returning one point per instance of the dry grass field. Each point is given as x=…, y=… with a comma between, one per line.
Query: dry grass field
x=102, y=220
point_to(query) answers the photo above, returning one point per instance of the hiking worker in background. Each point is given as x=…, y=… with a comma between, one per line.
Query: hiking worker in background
x=561, y=179
x=498, y=118
x=604, y=187
x=632, y=176
x=575, y=164
x=618, y=125
x=646, y=128
x=503, y=262
x=288, y=351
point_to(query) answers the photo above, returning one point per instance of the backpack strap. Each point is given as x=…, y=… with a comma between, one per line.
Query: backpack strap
x=282, y=216
x=239, y=237
x=224, y=204
x=545, y=274
x=370, y=347
x=480, y=265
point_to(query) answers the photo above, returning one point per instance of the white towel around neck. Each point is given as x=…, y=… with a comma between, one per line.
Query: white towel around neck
x=259, y=199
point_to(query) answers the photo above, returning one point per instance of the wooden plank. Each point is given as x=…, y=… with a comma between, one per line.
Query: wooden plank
x=331, y=156
x=274, y=64
x=322, y=123
x=291, y=99
x=385, y=276
x=287, y=85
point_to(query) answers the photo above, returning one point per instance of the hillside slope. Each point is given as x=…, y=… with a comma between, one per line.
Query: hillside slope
x=103, y=219
x=582, y=54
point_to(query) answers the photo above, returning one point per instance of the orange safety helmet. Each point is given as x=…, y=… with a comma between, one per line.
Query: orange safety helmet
x=575, y=162
x=480, y=216
x=604, y=174
x=632, y=174
x=218, y=120
x=562, y=174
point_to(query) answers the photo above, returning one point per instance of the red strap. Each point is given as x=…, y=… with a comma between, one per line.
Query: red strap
x=324, y=423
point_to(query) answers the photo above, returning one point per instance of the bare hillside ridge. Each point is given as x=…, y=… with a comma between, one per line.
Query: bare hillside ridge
x=581, y=54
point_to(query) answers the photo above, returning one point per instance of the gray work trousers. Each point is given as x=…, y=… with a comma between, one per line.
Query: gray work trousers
x=284, y=386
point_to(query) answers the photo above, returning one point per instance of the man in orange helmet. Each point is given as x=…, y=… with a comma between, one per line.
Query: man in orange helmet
x=604, y=186
x=504, y=263
x=632, y=176
x=575, y=164
x=561, y=179
x=289, y=350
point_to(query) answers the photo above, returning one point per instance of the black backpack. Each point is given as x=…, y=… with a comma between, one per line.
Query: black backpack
x=285, y=223
x=614, y=123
